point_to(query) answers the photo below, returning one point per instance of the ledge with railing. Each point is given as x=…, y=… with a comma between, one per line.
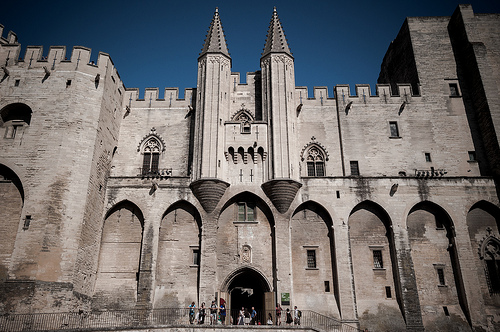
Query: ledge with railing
x=153, y=318
x=157, y=173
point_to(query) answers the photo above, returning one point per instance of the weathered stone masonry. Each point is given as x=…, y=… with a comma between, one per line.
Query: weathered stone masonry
x=378, y=208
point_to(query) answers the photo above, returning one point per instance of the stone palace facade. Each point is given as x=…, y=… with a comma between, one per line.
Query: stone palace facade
x=378, y=208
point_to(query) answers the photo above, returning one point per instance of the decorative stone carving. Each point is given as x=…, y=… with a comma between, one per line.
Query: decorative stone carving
x=281, y=192
x=246, y=254
x=209, y=192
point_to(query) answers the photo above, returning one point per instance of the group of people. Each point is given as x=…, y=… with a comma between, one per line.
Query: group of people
x=295, y=320
x=245, y=317
x=217, y=315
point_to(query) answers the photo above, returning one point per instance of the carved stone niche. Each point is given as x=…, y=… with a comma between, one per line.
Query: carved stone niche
x=246, y=254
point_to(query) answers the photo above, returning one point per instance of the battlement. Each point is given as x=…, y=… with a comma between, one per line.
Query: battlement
x=56, y=58
x=152, y=98
x=250, y=78
x=11, y=37
x=361, y=94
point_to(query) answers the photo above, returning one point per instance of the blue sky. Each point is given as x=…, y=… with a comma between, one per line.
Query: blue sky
x=156, y=44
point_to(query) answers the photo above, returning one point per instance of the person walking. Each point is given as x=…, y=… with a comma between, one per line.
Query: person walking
x=297, y=314
x=278, y=314
x=253, y=316
x=289, y=319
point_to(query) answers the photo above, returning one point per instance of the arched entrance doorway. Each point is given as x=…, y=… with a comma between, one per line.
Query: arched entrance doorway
x=247, y=288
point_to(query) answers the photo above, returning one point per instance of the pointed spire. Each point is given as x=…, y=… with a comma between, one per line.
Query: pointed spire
x=215, y=41
x=276, y=40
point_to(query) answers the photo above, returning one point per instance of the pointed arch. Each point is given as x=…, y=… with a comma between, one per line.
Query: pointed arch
x=483, y=222
x=431, y=234
x=179, y=256
x=314, y=262
x=120, y=255
x=314, y=155
x=490, y=252
x=243, y=115
x=375, y=265
x=246, y=222
x=248, y=270
x=11, y=209
x=151, y=147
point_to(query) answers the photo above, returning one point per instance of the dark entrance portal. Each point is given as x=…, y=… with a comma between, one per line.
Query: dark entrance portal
x=246, y=291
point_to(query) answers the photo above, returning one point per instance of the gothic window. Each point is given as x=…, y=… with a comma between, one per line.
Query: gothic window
x=245, y=211
x=315, y=162
x=492, y=264
x=151, y=158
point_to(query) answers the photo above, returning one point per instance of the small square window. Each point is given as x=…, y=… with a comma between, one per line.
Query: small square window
x=246, y=128
x=196, y=256
x=311, y=259
x=354, y=168
x=245, y=211
x=427, y=157
x=377, y=259
x=394, y=130
x=327, y=286
x=27, y=222
x=16, y=82
x=454, y=90
x=388, y=293
x=68, y=83
x=472, y=156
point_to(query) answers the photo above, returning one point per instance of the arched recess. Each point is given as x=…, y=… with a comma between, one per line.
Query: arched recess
x=246, y=287
x=179, y=253
x=374, y=263
x=119, y=257
x=11, y=206
x=314, y=263
x=437, y=268
x=483, y=220
x=14, y=118
x=245, y=237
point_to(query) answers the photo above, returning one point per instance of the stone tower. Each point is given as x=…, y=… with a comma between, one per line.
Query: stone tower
x=279, y=109
x=214, y=71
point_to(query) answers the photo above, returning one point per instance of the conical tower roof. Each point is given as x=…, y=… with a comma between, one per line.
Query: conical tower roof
x=276, y=40
x=215, y=41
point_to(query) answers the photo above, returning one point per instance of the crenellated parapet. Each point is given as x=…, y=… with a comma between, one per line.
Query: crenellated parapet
x=10, y=39
x=361, y=95
x=56, y=60
x=151, y=98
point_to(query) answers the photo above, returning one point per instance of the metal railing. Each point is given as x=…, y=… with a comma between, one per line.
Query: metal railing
x=144, y=318
x=158, y=173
